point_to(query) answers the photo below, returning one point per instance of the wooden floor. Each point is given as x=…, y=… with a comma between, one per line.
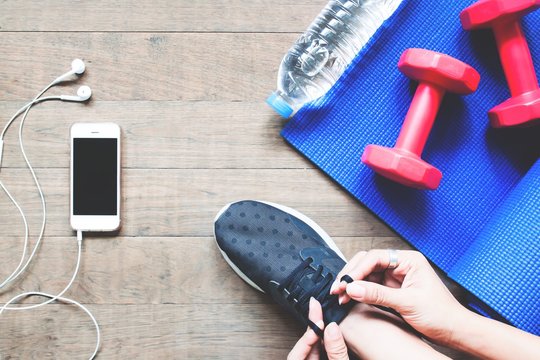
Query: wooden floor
x=186, y=81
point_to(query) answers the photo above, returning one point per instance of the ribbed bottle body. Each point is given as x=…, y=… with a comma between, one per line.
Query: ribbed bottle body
x=321, y=55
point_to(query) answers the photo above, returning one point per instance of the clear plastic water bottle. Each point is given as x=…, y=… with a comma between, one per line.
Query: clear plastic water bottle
x=321, y=55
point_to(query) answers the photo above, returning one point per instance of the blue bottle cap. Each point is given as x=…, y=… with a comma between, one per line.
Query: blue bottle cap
x=280, y=105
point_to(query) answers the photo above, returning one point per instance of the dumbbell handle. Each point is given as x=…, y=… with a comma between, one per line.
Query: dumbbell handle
x=515, y=57
x=420, y=118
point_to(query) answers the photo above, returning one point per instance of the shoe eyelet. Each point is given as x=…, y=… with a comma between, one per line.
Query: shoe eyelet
x=290, y=297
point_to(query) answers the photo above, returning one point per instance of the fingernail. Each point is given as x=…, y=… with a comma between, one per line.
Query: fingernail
x=356, y=290
x=312, y=302
x=335, y=287
x=332, y=331
x=340, y=299
x=339, y=286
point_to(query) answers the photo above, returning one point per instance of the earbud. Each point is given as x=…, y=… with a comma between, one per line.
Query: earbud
x=83, y=93
x=77, y=67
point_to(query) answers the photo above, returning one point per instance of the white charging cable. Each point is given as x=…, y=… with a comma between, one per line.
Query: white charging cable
x=84, y=94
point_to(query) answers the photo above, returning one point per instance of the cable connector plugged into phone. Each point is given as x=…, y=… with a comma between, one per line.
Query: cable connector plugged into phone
x=79, y=235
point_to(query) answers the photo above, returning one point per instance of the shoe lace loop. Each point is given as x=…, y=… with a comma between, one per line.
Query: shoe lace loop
x=294, y=293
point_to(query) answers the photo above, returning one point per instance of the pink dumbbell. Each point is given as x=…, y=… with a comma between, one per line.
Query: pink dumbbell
x=504, y=17
x=437, y=73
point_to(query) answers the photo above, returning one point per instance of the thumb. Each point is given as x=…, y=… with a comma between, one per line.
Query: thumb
x=334, y=344
x=375, y=294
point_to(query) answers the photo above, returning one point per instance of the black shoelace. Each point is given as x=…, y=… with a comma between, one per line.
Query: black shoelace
x=299, y=297
x=320, y=291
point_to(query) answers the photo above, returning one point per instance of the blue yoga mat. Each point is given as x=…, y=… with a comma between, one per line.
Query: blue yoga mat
x=482, y=226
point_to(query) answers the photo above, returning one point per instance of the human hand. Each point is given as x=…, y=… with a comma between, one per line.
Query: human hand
x=307, y=348
x=412, y=288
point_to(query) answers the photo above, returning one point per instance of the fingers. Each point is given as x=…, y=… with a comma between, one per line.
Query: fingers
x=376, y=294
x=315, y=353
x=303, y=348
x=335, y=288
x=315, y=312
x=350, y=265
x=372, y=262
x=361, y=267
x=377, y=277
x=309, y=341
x=334, y=343
x=307, y=348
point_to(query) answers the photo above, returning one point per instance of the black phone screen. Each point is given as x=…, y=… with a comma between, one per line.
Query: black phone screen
x=95, y=176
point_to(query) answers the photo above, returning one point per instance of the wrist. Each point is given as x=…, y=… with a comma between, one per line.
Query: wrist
x=367, y=332
x=473, y=334
x=456, y=335
x=489, y=339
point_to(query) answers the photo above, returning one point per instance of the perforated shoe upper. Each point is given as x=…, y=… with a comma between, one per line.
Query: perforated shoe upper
x=281, y=255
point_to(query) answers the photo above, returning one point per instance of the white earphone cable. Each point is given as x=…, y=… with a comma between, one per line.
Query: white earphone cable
x=21, y=268
x=82, y=307
x=27, y=106
x=38, y=186
x=59, y=297
x=23, y=295
x=12, y=276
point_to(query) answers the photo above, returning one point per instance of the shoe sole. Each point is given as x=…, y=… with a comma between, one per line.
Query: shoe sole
x=327, y=239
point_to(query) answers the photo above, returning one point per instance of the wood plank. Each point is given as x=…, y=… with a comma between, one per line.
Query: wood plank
x=165, y=202
x=159, y=134
x=146, y=270
x=210, y=331
x=146, y=66
x=160, y=15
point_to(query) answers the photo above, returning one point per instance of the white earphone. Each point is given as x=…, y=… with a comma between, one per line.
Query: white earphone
x=77, y=68
x=83, y=94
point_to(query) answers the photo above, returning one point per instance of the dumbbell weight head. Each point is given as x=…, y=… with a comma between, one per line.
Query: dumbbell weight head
x=437, y=73
x=503, y=16
x=518, y=110
x=402, y=167
x=426, y=66
x=486, y=13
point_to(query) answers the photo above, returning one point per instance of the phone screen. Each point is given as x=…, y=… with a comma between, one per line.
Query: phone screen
x=95, y=176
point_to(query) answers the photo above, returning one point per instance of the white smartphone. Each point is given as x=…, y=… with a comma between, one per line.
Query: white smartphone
x=95, y=177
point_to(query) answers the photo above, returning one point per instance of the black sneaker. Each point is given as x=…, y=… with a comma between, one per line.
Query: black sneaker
x=283, y=253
